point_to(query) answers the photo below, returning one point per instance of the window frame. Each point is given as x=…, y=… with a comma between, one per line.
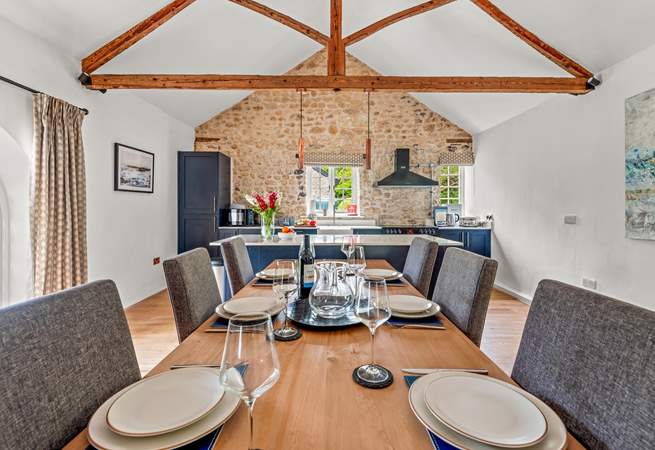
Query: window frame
x=355, y=188
x=448, y=187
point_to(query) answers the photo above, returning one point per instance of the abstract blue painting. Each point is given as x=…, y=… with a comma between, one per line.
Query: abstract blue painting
x=640, y=166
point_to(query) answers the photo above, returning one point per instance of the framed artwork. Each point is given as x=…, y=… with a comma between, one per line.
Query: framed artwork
x=134, y=169
x=640, y=166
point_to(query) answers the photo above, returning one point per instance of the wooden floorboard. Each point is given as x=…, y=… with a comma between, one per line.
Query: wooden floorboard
x=153, y=329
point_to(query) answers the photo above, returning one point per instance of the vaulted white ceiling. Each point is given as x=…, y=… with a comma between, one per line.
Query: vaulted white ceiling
x=216, y=36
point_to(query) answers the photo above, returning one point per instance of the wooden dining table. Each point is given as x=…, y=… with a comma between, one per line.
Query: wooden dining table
x=316, y=405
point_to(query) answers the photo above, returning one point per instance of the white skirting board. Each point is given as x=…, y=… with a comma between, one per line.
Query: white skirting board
x=519, y=296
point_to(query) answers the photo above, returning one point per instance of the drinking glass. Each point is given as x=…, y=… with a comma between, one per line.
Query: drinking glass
x=348, y=246
x=250, y=364
x=357, y=259
x=373, y=310
x=285, y=286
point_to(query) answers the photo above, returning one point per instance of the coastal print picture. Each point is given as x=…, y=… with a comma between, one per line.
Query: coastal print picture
x=640, y=166
x=134, y=169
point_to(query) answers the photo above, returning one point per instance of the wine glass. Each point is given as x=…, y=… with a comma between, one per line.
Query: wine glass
x=357, y=259
x=285, y=286
x=250, y=364
x=348, y=246
x=373, y=309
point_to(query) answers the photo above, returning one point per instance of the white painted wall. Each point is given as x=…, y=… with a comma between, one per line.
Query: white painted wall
x=566, y=157
x=125, y=230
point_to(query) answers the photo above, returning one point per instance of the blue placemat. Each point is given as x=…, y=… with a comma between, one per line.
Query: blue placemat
x=219, y=323
x=432, y=320
x=437, y=442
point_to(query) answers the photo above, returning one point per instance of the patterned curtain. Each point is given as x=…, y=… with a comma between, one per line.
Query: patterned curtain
x=58, y=197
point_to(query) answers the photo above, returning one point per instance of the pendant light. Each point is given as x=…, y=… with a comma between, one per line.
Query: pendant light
x=367, y=155
x=301, y=141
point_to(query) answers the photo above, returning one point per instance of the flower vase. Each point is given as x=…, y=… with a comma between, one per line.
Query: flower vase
x=268, y=226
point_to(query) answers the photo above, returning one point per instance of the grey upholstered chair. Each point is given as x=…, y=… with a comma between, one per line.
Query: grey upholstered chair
x=192, y=289
x=463, y=290
x=63, y=355
x=592, y=359
x=237, y=263
x=419, y=265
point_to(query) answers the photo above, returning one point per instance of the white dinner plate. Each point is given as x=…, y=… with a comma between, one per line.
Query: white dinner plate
x=433, y=311
x=249, y=305
x=274, y=273
x=485, y=409
x=103, y=438
x=555, y=438
x=382, y=273
x=165, y=402
x=276, y=307
x=409, y=304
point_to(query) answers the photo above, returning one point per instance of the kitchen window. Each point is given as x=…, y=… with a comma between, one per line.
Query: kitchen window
x=450, y=185
x=333, y=190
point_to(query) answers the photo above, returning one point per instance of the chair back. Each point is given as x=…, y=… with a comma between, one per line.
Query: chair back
x=419, y=265
x=62, y=356
x=592, y=359
x=463, y=290
x=237, y=263
x=192, y=289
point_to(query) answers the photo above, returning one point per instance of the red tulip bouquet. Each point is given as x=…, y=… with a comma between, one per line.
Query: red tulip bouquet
x=266, y=205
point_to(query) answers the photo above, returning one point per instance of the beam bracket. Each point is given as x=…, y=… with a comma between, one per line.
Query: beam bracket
x=85, y=79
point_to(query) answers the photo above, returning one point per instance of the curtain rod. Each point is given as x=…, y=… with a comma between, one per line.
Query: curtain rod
x=33, y=91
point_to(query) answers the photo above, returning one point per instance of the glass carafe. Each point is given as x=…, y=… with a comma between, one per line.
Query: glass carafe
x=331, y=297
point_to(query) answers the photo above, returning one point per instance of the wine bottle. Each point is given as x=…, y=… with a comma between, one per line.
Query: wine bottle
x=306, y=264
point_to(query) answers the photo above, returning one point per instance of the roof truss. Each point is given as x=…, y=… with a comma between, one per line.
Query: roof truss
x=581, y=82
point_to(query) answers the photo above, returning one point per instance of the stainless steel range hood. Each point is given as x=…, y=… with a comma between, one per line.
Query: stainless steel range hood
x=403, y=177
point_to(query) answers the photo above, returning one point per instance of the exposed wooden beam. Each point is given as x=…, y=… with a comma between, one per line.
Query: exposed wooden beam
x=533, y=41
x=284, y=19
x=566, y=85
x=336, y=48
x=390, y=20
x=118, y=45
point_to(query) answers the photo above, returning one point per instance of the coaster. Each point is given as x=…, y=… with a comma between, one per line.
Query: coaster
x=386, y=381
x=285, y=337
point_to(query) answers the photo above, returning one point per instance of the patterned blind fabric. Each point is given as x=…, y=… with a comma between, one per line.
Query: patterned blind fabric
x=315, y=158
x=456, y=158
x=457, y=155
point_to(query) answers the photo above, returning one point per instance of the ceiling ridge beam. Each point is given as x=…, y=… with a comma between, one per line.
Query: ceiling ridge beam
x=533, y=40
x=562, y=85
x=393, y=18
x=126, y=40
x=284, y=20
x=336, y=50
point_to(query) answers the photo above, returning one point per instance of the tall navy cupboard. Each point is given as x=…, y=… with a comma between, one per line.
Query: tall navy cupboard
x=203, y=188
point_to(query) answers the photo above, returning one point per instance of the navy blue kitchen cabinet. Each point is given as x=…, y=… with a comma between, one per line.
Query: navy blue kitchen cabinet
x=476, y=241
x=203, y=187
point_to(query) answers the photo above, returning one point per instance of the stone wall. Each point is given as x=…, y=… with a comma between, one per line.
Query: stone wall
x=261, y=132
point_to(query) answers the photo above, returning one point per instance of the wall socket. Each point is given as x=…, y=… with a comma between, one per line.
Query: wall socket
x=589, y=283
x=156, y=260
x=570, y=220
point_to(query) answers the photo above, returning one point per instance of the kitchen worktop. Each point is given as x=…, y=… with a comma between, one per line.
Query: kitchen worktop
x=324, y=227
x=401, y=240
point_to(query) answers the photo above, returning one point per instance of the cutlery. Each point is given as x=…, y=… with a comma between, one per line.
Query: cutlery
x=216, y=330
x=429, y=371
x=417, y=326
x=182, y=366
